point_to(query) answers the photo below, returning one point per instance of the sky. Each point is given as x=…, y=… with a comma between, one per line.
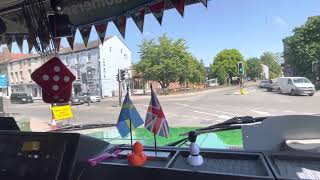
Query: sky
x=251, y=26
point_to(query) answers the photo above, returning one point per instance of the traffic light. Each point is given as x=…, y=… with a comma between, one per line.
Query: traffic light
x=122, y=75
x=241, y=68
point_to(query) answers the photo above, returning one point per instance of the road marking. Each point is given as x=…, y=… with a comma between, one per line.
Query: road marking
x=261, y=112
x=142, y=105
x=290, y=112
x=211, y=114
x=208, y=109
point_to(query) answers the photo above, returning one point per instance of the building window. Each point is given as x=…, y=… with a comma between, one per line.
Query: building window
x=20, y=64
x=29, y=71
x=29, y=62
x=110, y=49
x=78, y=59
x=17, y=77
x=121, y=51
x=67, y=60
x=21, y=76
x=11, y=66
x=125, y=56
x=12, y=78
x=89, y=57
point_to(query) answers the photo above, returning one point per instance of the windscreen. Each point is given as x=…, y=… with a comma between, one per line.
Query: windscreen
x=185, y=74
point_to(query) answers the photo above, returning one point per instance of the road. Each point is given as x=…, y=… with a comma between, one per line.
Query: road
x=186, y=110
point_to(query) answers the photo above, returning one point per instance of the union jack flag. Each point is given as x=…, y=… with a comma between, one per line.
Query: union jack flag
x=155, y=120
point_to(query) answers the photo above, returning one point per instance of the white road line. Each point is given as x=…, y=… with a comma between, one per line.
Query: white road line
x=218, y=116
x=207, y=109
x=261, y=112
x=290, y=112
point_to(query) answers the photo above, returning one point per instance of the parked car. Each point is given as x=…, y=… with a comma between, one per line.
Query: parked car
x=93, y=98
x=212, y=82
x=76, y=100
x=21, y=98
x=295, y=86
x=265, y=84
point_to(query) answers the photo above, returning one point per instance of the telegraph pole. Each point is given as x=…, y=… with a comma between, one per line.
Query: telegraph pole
x=120, y=91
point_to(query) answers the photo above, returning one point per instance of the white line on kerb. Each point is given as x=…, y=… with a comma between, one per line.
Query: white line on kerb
x=218, y=116
x=261, y=112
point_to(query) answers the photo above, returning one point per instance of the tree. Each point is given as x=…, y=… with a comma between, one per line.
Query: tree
x=269, y=59
x=254, y=68
x=303, y=47
x=227, y=60
x=167, y=61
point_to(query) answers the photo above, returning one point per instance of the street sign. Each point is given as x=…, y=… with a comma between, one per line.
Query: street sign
x=62, y=112
x=3, y=81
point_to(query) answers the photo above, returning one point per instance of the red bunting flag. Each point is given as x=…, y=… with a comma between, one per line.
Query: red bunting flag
x=204, y=2
x=56, y=42
x=157, y=10
x=19, y=40
x=30, y=44
x=179, y=5
x=85, y=33
x=138, y=18
x=8, y=40
x=70, y=39
x=120, y=23
x=101, y=30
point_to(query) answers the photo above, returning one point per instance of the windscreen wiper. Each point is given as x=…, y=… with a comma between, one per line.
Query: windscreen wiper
x=82, y=127
x=231, y=124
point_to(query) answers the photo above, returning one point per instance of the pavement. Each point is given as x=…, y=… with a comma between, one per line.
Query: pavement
x=196, y=109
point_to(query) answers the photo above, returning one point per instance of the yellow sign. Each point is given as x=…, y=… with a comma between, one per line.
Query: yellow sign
x=62, y=112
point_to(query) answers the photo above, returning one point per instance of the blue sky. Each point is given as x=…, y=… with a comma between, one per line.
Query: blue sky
x=252, y=26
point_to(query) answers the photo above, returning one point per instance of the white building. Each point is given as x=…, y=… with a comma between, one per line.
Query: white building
x=96, y=66
x=114, y=55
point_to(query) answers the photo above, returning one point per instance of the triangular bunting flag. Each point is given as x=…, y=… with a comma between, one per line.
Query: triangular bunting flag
x=204, y=2
x=101, y=30
x=85, y=33
x=138, y=18
x=157, y=10
x=120, y=23
x=179, y=5
x=30, y=44
x=56, y=42
x=19, y=40
x=70, y=39
x=8, y=40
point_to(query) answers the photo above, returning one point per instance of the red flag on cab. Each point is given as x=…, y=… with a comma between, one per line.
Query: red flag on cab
x=70, y=39
x=179, y=5
x=138, y=18
x=157, y=10
x=120, y=23
x=204, y=2
x=30, y=44
x=19, y=40
x=85, y=33
x=101, y=30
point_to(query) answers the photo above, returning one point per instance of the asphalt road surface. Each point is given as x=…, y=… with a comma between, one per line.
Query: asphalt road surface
x=186, y=110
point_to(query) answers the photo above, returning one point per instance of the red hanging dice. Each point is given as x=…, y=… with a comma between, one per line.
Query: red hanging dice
x=55, y=79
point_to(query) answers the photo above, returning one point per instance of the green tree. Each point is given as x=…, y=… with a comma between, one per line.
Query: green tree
x=227, y=60
x=166, y=61
x=270, y=59
x=253, y=67
x=303, y=47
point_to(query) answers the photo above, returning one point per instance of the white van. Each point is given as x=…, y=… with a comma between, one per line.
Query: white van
x=295, y=86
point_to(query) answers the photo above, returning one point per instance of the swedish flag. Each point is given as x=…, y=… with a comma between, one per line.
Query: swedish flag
x=128, y=112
